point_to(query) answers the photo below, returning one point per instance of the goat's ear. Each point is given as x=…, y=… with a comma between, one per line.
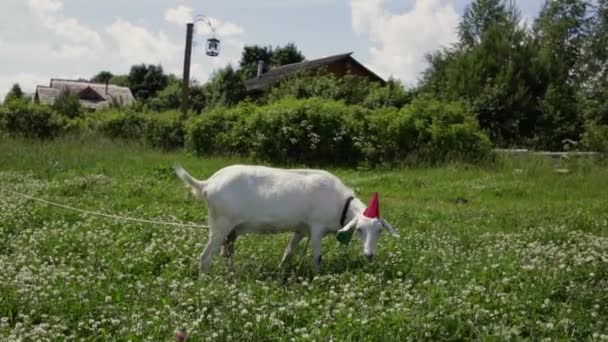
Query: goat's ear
x=389, y=227
x=345, y=234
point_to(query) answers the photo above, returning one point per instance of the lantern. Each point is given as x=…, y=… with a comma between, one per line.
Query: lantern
x=213, y=47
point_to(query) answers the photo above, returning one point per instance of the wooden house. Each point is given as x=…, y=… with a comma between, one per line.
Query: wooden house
x=91, y=95
x=338, y=65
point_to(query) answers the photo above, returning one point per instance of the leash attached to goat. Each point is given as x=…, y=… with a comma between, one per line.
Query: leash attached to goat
x=345, y=237
x=116, y=217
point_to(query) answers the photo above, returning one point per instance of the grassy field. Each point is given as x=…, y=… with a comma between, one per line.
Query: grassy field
x=509, y=251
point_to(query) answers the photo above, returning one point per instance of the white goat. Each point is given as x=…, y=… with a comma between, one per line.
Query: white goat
x=257, y=199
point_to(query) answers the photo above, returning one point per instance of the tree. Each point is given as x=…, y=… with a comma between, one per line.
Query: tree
x=102, y=77
x=594, y=91
x=286, y=55
x=271, y=58
x=14, y=94
x=560, y=33
x=226, y=88
x=250, y=57
x=171, y=97
x=478, y=17
x=120, y=80
x=490, y=69
x=146, y=80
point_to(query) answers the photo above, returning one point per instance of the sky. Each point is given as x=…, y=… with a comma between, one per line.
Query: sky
x=43, y=39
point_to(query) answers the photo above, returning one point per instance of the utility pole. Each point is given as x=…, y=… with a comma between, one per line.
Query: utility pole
x=213, y=45
x=186, y=77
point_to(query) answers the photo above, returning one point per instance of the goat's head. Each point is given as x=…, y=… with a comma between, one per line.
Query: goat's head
x=368, y=225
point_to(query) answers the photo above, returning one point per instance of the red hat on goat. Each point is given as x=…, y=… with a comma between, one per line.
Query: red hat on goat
x=373, y=210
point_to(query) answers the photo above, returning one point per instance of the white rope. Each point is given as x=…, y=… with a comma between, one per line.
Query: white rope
x=105, y=215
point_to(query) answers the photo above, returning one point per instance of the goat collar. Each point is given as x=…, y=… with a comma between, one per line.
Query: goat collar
x=345, y=210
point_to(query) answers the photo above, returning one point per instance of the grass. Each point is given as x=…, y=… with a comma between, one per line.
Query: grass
x=505, y=251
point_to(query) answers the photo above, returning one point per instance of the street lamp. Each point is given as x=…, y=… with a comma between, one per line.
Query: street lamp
x=213, y=44
x=212, y=49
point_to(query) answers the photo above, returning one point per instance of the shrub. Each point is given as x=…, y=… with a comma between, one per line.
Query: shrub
x=26, y=119
x=68, y=104
x=595, y=138
x=164, y=130
x=351, y=89
x=446, y=131
x=121, y=123
x=319, y=131
x=220, y=131
x=310, y=131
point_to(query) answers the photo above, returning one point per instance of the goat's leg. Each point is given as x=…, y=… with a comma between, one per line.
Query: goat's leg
x=219, y=230
x=316, y=235
x=228, y=248
x=291, y=247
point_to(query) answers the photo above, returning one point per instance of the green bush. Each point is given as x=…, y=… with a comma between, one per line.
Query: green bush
x=446, y=131
x=164, y=130
x=595, y=138
x=309, y=131
x=120, y=123
x=27, y=119
x=351, y=89
x=68, y=105
x=220, y=131
x=319, y=131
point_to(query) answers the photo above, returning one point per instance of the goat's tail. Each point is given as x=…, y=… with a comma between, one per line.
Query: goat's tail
x=198, y=187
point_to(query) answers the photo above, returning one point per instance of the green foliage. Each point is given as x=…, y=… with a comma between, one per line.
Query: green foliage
x=166, y=99
x=171, y=98
x=594, y=92
x=595, y=138
x=68, y=104
x=26, y=119
x=226, y=88
x=122, y=123
x=351, y=89
x=523, y=86
x=491, y=70
x=120, y=80
x=287, y=54
x=393, y=94
x=560, y=33
x=146, y=80
x=250, y=57
x=318, y=131
x=14, y=94
x=221, y=131
x=272, y=58
x=164, y=130
x=313, y=131
x=481, y=15
x=102, y=77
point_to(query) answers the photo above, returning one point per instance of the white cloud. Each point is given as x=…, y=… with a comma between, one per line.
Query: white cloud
x=45, y=6
x=402, y=39
x=222, y=28
x=179, y=15
x=138, y=45
x=79, y=39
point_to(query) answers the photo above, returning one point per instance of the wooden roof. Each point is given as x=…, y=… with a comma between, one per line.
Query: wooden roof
x=273, y=76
